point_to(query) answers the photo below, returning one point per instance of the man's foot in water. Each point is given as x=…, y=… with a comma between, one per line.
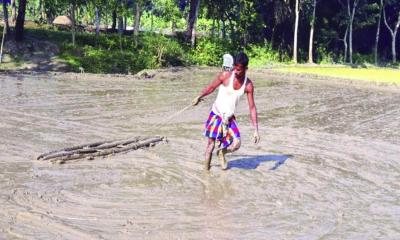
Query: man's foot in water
x=221, y=156
x=207, y=164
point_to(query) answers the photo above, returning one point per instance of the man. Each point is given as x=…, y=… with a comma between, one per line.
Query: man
x=221, y=125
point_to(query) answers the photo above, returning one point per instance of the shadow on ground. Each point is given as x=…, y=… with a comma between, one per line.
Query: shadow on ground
x=252, y=162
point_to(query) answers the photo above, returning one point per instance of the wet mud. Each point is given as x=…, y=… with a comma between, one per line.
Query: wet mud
x=327, y=166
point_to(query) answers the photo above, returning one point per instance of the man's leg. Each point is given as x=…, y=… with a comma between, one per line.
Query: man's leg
x=209, y=151
x=231, y=148
x=234, y=146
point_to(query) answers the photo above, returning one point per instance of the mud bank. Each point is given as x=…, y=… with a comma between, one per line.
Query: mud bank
x=327, y=166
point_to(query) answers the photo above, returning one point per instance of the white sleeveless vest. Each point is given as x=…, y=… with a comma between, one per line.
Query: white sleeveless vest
x=227, y=99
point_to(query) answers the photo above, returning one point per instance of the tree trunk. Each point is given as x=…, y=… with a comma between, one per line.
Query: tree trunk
x=378, y=30
x=192, y=19
x=106, y=19
x=152, y=22
x=394, y=39
x=394, y=59
x=213, y=29
x=351, y=12
x=120, y=25
x=310, y=46
x=5, y=14
x=193, y=40
x=13, y=12
x=114, y=20
x=273, y=36
x=2, y=44
x=218, y=29
x=296, y=27
x=350, y=33
x=42, y=12
x=345, y=44
x=393, y=33
x=120, y=31
x=19, y=25
x=73, y=22
x=125, y=22
x=97, y=21
x=223, y=29
x=136, y=27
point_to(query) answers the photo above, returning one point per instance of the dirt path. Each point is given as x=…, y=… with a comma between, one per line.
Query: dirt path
x=327, y=166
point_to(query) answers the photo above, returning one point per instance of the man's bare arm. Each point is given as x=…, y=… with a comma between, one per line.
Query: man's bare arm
x=253, y=110
x=209, y=89
x=212, y=86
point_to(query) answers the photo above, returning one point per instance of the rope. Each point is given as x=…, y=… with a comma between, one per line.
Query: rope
x=175, y=115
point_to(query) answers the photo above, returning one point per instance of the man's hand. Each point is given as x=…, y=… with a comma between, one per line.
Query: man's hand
x=196, y=100
x=256, y=137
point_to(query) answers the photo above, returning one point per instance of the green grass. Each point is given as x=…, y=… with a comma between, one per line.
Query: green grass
x=379, y=75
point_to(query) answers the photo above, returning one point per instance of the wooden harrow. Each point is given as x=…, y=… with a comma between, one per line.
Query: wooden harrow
x=99, y=149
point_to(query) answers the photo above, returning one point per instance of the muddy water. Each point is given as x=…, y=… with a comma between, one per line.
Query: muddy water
x=328, y=165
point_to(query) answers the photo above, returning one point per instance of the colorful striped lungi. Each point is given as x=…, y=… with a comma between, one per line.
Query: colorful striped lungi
x=214, y=129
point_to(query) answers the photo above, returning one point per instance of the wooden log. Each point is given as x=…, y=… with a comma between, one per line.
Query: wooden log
x=78, y=151
x=95, y=144
x=122, y=142
x=89, y=149
x=132, y=146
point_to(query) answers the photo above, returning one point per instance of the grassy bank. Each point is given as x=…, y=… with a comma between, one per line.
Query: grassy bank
x=379, y=75
x=114, y=53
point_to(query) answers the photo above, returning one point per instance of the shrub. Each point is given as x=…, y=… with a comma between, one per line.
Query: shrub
x=363, y=58
x=209, y=51
x=324, y=56
x=260, y=55
x=160, y=51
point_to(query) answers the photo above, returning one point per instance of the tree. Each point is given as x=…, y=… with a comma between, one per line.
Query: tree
x=138, y=14
x=19, y=26
x=169, y=11
x=392, y=18
x=54, y=8
x=296, y=27
x=351, y=6
x=5, y=15
x=312, y=25
x=13, y=12
x=72, y=11
x=97, y=20
x=73, y=7
x=378, y=29
x=192, y=19
x=114, y=19
x=351, y=10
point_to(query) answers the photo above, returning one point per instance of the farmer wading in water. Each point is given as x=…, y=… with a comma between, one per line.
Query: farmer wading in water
x=221, y=124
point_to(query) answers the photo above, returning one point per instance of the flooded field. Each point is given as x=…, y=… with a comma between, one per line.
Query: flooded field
x=327, y=166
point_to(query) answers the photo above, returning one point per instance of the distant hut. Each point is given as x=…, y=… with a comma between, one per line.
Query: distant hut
x=63, y=21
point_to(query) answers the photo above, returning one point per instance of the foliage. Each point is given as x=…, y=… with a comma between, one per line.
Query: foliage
x=159, y=51
x=261, y=55
x=324, y=56
x=363, y=58
x=103, y=55
x=222, y=26
x=209, y=52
